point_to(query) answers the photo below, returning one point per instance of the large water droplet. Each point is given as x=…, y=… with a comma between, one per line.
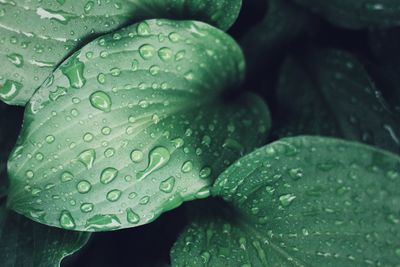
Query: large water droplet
x=132, y=217
x=167, y=185
x=147, y=51
x=103, y=222
x=108, y=175
x=83, y=186
x=16, y=59
x=187, y=166
x=143, y=29
x=73, y=69
x=101, y=101
x=66, y=220
x=165, y=53
x=114, y=195
x=87, y=157
x=205, y=172
x=10, y=89
x=158, y=158
x=287, y=199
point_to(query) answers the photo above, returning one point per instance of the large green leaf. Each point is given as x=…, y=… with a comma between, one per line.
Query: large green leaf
x=334, y=95
x=145, y=130
x=357, y=14
x=26, y=243
x=37, y=35
x=303, y=201
x=10, y=124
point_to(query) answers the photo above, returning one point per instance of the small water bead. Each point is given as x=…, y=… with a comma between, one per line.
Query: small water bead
x=108, y=175
x=143, y=29
x=66, y=177
x=29, y=174
x=106, y=130
x=205, y=172
x=16, y=59
x=114, y=195
x=136, y=156
x=154, y=70
x=296, y=173
x=178, y=142
x=167, y=185
x=87, y=158
x=131, y=216
x=115, y=72
x=50, y=139
x=101, y=78
x=165, y=53
x=287, y=199
x=88, y=137
x=83, y=186
x=10, y=89
x=187, y=166
x=144, y=200
x=132, y=195
x=147, y=51
x=66, y=220
x=100, y=100
x=109, y=152
x=39, y=156
x=174, y=37
x=87, y=207
x=180, y=55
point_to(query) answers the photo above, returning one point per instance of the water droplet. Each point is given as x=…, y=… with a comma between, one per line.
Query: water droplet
x=88, y=137
x=147, y=51
x=87, y=157
x=29, y=174
x=205, y=257
x=143, y=29
x=88, y=7
x=114, y=195
x=50, y=139
x=296, y=173
x=178, y=142
x=73, y=69
x=103, y=222
x=205, y=172
x=165, y=53
x=108, y=175
x=136, y=156
x=187, y=166
x=66, y=177
x=287, y=199
x=10, y=89
x=158, y=158
x=87, y=207
x=59, y=92
x=101, y=101
x=83, y=186
x=174, y=37
x=144, y=200
x=167, y=185
x=16, y=59
x=132, y=217
x=66, y=220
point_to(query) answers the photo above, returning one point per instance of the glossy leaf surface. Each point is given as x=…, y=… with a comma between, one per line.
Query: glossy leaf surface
x=302, y=201
x=132, y=125
x=36, y=36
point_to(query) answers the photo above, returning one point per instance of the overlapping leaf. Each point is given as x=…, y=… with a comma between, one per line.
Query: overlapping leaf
x=334, y=95
x=36, y=36
x=356, y=14
x=303, y=201
x=27, y=243
x=132, y=125
x=282, y=23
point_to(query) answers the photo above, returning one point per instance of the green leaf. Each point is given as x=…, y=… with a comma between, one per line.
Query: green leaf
x=282, y=23
x=303, y=201
x=38, y=35
x=26, y=243
x=335, y=96
x=146, y=131
x=356, y=14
